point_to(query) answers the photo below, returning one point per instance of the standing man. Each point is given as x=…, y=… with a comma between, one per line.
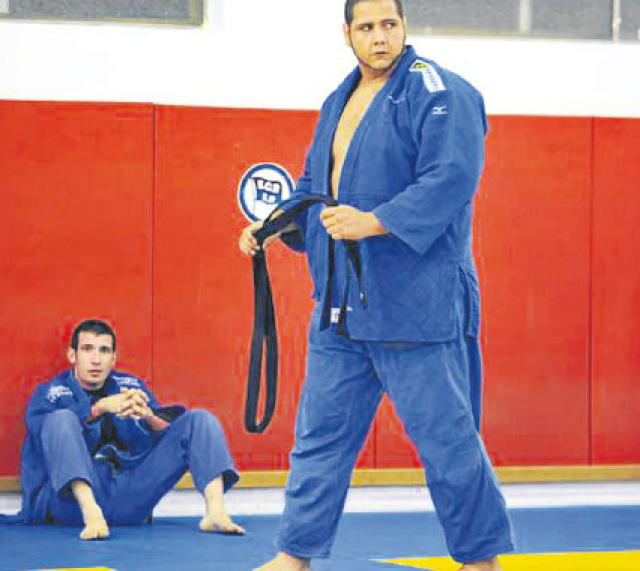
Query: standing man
x=400, y=145
x=100, y=449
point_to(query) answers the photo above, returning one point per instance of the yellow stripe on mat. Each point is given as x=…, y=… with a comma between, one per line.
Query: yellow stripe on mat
x=587, y=561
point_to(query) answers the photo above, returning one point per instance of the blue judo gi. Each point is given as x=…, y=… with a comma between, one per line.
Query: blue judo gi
x=128, y=466
x=415, y=160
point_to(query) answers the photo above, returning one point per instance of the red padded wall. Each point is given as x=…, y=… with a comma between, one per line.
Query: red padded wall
x=77, y=181
x=616, y=292
x=534, y=253
x=100, y=220
x=532, y=250
x=203, y=289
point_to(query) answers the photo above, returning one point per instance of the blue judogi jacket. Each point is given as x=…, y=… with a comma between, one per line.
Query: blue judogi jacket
x=123, y=444
x=415, y=161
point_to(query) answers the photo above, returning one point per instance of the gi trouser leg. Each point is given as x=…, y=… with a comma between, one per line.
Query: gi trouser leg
x=194, y=441
x=337, y=405
x=433, y=387
x=67, y=459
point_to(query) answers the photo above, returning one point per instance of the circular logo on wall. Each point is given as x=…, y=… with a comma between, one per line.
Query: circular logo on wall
x=262, y=188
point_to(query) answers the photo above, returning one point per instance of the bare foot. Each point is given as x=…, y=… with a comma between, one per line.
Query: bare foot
x=489, y=565
x=216, y=518
x=221, y=524
x=285, y=562
x=95, y=526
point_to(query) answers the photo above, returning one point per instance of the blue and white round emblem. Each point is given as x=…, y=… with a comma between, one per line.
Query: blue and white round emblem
x=262, y=188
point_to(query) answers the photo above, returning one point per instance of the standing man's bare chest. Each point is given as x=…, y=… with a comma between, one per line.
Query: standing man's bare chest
x=352, y=114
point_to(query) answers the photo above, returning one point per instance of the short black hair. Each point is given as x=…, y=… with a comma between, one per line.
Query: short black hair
x=95, y=326
x=349, y=4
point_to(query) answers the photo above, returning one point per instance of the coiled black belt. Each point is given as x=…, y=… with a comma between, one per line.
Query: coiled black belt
x=264, y=339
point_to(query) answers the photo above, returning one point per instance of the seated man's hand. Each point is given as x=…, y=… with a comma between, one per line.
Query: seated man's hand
x=138, y=412
x=134, y=405
x=130, y=403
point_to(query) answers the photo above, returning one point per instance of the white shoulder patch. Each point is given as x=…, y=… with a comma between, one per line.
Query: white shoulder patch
x=125, y=381
x=57, y=391
x=432, y=80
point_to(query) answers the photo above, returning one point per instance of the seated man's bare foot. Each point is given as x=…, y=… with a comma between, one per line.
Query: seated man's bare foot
x=95, y=526
x=220, y=523
x=489, y=565
x=285, y=562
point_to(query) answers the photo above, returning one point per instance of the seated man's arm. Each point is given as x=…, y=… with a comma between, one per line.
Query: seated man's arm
x=154, y=422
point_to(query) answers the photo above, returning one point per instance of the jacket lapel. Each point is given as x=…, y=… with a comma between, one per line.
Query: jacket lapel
x=326, y=143
x=343, y=94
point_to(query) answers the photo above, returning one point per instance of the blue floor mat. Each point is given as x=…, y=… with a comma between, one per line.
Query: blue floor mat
x=175, y=544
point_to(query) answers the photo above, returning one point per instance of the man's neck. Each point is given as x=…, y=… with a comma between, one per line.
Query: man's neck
x=375, y=77
x=88, y=386
x=373, y=82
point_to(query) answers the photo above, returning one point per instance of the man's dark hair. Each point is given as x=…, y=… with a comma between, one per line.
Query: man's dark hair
x=349, y=4
x=94, y=326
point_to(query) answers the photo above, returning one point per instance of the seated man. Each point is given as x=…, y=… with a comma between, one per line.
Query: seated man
x=100, y=450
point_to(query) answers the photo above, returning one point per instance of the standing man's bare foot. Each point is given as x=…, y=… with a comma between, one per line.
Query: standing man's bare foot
x=489, y=565
x=285, y=562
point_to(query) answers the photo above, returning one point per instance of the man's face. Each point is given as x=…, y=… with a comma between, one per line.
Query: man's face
x=93, y=360
x=377, y=36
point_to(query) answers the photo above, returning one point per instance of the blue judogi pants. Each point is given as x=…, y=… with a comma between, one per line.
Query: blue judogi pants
x=193, y=441
x=435, y=389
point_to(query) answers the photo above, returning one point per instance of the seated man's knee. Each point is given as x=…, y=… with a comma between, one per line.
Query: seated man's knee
x=202, y=417
x=62, y=419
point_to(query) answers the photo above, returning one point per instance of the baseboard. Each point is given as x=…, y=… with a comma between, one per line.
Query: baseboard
x=9, y=484
x=415, y=476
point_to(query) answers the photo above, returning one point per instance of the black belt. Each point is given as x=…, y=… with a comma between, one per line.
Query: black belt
x=264, y=339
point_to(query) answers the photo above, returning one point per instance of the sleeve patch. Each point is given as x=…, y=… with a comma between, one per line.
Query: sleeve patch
x=126, y=381
x=432, y=80
x=58, y=391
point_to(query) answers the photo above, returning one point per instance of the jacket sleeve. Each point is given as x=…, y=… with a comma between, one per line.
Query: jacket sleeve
x=294, y=239
x=449, y=127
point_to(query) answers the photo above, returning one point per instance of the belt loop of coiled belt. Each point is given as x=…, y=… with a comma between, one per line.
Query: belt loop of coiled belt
x=264, y=341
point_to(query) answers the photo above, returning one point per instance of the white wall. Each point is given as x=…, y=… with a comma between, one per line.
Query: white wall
x=290, y=54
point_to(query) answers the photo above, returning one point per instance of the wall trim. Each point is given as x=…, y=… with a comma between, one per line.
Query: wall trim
x=415, y=477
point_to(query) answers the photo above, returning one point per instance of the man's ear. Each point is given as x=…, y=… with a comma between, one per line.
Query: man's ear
x=347, y=36
x=71, y=355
